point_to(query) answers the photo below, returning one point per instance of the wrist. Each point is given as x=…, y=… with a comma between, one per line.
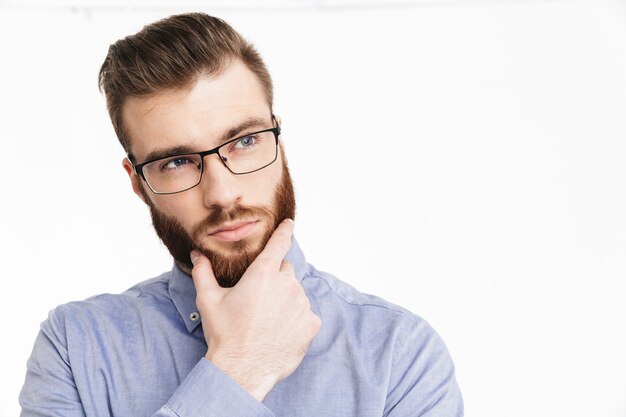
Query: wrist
x=252, y=379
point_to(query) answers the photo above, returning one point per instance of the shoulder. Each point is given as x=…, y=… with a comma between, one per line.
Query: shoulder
x=369, y=318
x=93, y=311
x=328, y=288
x=328, y=284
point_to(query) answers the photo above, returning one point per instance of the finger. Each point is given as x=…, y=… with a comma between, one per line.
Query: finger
x=287, y=266
x=277, y=246
x=203, y=277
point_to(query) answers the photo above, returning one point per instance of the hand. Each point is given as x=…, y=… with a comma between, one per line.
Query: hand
x=258, y=331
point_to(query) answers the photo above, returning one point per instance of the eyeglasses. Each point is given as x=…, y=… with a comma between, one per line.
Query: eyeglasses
x=242, y=155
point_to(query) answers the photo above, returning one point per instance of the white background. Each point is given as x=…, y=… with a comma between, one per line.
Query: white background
x=464, y=159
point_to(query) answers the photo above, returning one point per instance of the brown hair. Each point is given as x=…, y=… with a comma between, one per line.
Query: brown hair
x=172, y=53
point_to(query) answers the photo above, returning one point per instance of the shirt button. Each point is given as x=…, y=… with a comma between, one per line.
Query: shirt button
x=194, y=316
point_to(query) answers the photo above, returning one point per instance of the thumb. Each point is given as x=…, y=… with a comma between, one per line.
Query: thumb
x=202, y=273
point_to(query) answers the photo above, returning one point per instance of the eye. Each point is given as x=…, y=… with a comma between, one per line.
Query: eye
x=176, y=162
x=245, y=142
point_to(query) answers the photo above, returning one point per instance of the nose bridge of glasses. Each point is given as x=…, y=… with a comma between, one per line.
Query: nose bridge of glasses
x=219, y=156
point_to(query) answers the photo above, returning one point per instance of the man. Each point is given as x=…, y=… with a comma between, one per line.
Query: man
x=242, y=325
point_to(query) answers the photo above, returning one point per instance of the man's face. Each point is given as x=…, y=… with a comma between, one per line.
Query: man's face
x=227, y=217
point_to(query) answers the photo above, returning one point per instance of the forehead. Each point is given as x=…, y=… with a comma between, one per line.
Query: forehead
x=195, y=116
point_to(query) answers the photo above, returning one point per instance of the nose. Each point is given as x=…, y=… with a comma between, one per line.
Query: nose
x=219, y=185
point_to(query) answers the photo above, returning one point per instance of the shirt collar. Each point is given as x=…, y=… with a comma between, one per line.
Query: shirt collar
x=183, y=292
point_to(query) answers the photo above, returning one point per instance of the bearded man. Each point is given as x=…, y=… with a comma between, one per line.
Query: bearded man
x=242, y=325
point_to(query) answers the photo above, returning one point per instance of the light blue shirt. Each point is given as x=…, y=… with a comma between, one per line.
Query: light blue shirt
x=141, y=353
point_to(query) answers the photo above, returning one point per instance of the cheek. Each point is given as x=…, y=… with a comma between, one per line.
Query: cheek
x=186, y=207
x=261, y=189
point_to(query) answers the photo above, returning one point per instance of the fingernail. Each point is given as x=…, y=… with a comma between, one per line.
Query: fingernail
x=194, y=255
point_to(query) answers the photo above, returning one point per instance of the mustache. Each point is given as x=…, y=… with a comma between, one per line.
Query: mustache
x=219, y=216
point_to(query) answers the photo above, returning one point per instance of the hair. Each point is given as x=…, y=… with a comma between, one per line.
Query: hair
x=172, y=53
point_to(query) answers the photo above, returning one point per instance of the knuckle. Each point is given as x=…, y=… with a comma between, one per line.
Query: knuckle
x=315, y=323
x=305, y=301
x=288, y=267
x=201, y=302
x=198, y=271
x=294, y=287
x=302, y=303
x=302, y=351
x=205, y=300
x=195, y=270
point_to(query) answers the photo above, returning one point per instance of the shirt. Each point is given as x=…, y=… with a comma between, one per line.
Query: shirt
x=141, y=353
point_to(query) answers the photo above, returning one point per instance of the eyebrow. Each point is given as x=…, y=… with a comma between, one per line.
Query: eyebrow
x=229, y=134
x=245, y=125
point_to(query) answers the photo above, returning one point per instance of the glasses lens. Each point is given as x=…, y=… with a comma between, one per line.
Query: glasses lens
x=173, y=174
x=250, y=153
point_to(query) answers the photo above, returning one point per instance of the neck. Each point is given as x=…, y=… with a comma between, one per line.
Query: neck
x=183, y=268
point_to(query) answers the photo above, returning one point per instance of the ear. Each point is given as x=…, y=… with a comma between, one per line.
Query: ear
x=134, y=178
x=279, y=120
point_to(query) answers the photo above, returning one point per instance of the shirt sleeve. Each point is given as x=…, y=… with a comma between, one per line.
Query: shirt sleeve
x=422, y=380
x=50, y=389
x=193, y=397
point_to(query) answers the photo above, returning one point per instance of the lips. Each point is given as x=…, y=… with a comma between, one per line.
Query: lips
x=234, y=231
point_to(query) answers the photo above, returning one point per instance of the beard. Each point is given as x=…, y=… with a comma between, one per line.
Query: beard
x=228, y=269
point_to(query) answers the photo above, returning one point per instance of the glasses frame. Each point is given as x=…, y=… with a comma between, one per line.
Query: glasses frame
x=275, y=130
